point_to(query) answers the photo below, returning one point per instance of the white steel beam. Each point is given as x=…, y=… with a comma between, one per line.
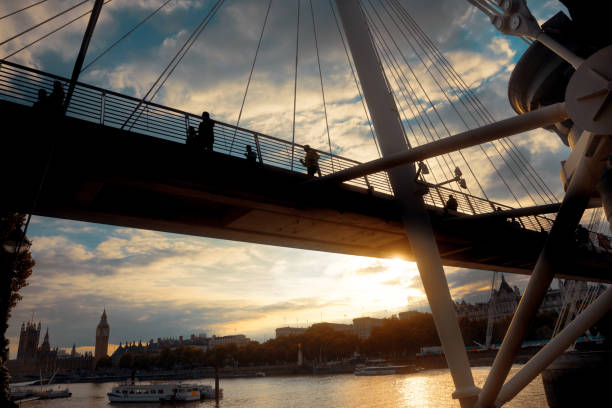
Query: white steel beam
x=545, y=116
x=556, y=347
x=389, y=131
x=557, y=251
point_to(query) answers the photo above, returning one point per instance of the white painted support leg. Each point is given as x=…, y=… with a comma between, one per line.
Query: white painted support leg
x=556, y=347
x=389, y=132
x=554, y=255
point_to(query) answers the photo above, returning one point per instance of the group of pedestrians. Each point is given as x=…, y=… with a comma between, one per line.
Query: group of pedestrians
x=204, y=138
x=50, y=104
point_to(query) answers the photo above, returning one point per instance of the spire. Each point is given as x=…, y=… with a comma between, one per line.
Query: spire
x=46, y=340
x=104, y=314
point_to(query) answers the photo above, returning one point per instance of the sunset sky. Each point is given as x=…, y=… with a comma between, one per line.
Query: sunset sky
x=164, y=285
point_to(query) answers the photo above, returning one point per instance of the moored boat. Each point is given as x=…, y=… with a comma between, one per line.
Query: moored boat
x=159, y=392
x=375, y=370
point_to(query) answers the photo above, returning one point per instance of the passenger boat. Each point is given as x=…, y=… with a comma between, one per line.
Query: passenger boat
x=159, y=392
x=375, y=370
x=386, y=369
x=51, y=393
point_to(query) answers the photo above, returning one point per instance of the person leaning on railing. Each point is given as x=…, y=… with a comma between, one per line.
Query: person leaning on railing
x=250, y=155
x=451, y=204
x=206, y=134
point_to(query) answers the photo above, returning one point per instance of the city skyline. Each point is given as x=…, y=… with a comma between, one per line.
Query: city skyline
x=157, y=284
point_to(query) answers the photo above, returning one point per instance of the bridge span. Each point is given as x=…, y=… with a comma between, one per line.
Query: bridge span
x=144, y=176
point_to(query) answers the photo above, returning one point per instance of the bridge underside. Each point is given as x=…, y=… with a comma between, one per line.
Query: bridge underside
x=104, y=175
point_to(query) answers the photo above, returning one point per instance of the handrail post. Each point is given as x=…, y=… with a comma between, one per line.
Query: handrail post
x=368, y=185
x=467, y=198
x=256, y=137
x=440, y=195
x=102, y=106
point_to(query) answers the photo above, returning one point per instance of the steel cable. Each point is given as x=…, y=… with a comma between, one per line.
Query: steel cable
x=499, y=174
x=195, y=32
x=124, y=36
x=22, y=9
x=43, y=22
x=430, y=103
x=51, y=33
x=246, y=91
x=297, y=48
x=454, y=76
x=474, y=101
x=314, y=31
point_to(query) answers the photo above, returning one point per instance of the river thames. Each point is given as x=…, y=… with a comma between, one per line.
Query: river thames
x=425, y=389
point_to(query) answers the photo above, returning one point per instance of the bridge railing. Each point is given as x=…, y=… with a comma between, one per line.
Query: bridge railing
x=21, y=84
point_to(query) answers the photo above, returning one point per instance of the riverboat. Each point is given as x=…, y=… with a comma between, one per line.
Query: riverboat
x=375, y=370
x=159, y=392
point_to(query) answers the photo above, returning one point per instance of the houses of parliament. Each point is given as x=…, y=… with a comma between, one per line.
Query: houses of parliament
x=34, y=357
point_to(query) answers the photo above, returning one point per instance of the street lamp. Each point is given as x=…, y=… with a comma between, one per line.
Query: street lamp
x=460, y=180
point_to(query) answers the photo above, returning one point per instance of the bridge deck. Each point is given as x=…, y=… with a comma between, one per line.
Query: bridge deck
x=100, y=173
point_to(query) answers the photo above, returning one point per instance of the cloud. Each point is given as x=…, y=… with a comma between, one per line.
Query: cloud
x=157, y=285
x=376, y=268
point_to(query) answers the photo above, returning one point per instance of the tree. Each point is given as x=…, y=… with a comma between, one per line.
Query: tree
x=16, y=265
x=126, y=360
x=104, y=363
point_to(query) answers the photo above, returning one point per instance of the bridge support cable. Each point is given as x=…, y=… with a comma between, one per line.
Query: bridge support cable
x=295, y=78
x=91, y=25
x=314, y=32
x=389, y=131
x=124, y=36
x=22, y=9
x=350, y=63
x=424, y=95
x=429, y=103
x=396, y=21
x=408, y=96
x=51, y=33
x=246, y=91
x=507, y=127
x=386, y=60
x=555, y=255
x=43, y=22
x=417, y=111
x=354, y=75
x=75, y=74
x=441, y=88
x=464, y=93
x=169, y=69
x=557, y=346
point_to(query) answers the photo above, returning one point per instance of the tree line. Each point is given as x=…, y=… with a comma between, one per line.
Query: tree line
x=395, y=338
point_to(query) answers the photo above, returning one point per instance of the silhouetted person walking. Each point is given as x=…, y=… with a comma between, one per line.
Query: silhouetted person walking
x=56, y=99
x=250, y=155
x=191, y=137
x=451, y=203
x=206, y=133
x=311, y=161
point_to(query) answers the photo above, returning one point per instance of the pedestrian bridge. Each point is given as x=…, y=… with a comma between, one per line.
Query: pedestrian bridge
x=119, y=161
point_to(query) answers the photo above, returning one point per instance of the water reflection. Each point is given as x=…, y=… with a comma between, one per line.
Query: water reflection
x=426, y=389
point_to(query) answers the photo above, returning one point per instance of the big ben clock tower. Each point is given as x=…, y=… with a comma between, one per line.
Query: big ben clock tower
x=102, y=333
